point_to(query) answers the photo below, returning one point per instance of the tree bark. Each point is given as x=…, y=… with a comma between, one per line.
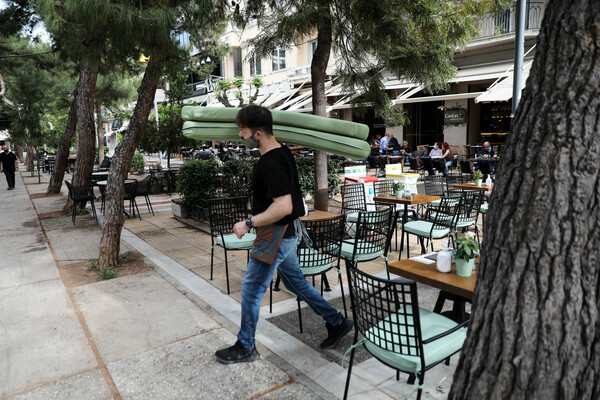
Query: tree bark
x=86, y=131
x=30, y=154
x=318, y=70
x=64, y=144
x=100, y=132
x=535, y=331
x=19, y=151
x=113, y=215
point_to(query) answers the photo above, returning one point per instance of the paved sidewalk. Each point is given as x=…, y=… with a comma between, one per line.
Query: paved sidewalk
x=147, y=335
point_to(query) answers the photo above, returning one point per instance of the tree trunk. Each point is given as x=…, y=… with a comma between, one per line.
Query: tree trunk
x=86, y=131
x=318, y=70
x=19, y=151
x=535, y=328
x=113, y=215
x=64, y=144
x=100, y=132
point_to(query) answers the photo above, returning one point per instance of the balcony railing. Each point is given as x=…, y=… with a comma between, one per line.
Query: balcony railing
x=504, y=22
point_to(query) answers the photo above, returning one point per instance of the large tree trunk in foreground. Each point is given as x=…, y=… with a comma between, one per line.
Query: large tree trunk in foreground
x=535, y=331
x=19, y=151
x=100, y=123
x=86, y=131
x=318, y=69
x=64, y=144
x=113, y=214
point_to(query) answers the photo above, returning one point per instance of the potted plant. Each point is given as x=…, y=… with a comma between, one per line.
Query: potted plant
x=398, y=189
x=465, y=255
x=477, y=177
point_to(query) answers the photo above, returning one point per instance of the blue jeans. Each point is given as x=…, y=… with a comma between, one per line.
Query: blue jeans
x=257, y=279
x=447, y=164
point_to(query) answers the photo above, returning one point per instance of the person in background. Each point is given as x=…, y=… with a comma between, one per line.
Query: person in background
x=447, y=156
x=436, y=156
x=376, y=141
x=484, y=159
x=276, y=207
x=223, y=151
x=383, y=149
x=406, y=151
x=394, y=145
x=8, y=165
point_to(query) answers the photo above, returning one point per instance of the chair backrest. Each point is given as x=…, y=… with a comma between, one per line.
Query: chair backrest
x=451, y=180
x=143, y=188
x=80, y=193
x=415, y=163
x=224, y=212
x=326, y=236
x=353, y=198
x=469, y=205
x=445, y=214
x=427, y=164
x=466, y=166
x=373, y=232
x=386, y=313
x=434, y=185
x=484, y=166
x=131, y=190
x=383, y=187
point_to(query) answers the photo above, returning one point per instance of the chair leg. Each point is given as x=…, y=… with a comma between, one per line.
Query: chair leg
x=277, y=282
x=138, y=209
x=422, y=241
x=407, y=246
x=299, y=313
x=421, y=380
x=350, y=366
x=149, y=204
x=94, y=210
x=74, y=212
x=212, y=257
x=226, y=270
x=271, y=297
x=411, y=379
x=342, y=289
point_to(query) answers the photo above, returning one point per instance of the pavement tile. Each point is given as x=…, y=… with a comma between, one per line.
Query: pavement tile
x=188, y=370
x=49, y=204
x=41, y=338
x=89, y=385
x=144, y=311
x=291, y=392
x=26, y=268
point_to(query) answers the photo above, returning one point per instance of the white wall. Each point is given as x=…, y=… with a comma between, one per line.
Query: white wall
x=456, y=134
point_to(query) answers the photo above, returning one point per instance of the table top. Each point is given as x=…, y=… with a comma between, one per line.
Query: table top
x=428, y=274
x=472, y=186
x=100, y=173
x=317, y=215
x=417, y=199
x=494, y=159
x=105, y=182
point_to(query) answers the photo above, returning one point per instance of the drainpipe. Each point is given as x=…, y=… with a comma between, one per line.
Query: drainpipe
x=519, y=50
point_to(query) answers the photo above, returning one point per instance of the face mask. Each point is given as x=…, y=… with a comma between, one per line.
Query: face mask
x=435, y=146
x=250, y=143
x=6, y=151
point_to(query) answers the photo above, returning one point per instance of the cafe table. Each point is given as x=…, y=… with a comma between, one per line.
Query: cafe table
x=460, y=288
x=413, y=201
x=473, y=186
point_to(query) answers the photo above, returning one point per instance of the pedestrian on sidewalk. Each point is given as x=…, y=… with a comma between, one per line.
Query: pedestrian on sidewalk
x=8, y=165
x=277, y=205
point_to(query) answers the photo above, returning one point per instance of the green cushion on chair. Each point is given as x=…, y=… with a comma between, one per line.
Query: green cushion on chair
x=352, y=217
x=432, y=324
x=232, y=242
x=465, y=223
x=423, y=228
x=316, y=264
x=348, y=250
x=484, y=208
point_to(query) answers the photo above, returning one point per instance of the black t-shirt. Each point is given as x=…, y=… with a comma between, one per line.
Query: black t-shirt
x=394, y=144
x=276, y=175
x=8, y=160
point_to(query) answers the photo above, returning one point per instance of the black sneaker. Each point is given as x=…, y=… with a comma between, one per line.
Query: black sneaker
x=336, y=333
x=237, y=354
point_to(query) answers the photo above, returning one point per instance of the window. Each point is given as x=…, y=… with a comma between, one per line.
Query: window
x=312, y=47
x=278, y=59
x=237, y=61
x=255, y=66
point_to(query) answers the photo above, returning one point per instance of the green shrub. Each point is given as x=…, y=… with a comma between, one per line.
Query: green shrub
x=137, y=163
x=107, y=273
x=306, y=176
x=198, y=182
x=237, y=177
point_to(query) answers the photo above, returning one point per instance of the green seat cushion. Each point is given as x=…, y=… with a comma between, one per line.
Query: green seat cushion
x=463, y=223
x=232, y=242
x=484, y=208
x=423, y=228
x=365, y=251
x=330, y=142
x=352, y=217
x=312, y=262
x=436, y=203
x=299, y=120
x=432, y=324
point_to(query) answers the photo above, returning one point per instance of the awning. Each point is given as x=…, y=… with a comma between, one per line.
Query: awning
x=502, y=90
x=424, y=99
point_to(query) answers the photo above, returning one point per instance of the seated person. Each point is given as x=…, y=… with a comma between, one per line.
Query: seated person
x=406, y=151
x=383, y=149
x=376, y=141
x=484, y=161
x=203, y=155
x=394, y=145
x=447, y=156
x=436, y=157
x=223, y=151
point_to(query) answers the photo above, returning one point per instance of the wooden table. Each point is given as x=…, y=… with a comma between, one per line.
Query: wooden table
x=460, y=289
x=416, y=199
x=493, y=159
x=317, y=215
x=473, y=186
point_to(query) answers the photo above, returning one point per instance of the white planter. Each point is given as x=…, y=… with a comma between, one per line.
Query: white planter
x=179, y=210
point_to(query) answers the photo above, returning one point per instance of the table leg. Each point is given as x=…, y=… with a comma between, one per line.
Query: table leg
x=402, y=235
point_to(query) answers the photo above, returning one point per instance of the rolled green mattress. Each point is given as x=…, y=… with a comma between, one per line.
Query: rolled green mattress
x=288, y=118
x=332, y=143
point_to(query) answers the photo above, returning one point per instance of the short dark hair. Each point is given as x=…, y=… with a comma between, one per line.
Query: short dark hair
x=256, y=118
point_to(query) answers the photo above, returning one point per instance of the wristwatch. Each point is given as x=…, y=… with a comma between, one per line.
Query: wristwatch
x=249, y=223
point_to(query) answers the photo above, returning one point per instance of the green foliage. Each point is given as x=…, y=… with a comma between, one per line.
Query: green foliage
x=92, y=265
x=477, y=175
x=123, y=256
x=306, y=176
x=466, y=248
x=198, y=182
x=137, y=163
x=107, y=273
x=82, y=211
x=398, y=186
x=237, y=177
x=237, y=85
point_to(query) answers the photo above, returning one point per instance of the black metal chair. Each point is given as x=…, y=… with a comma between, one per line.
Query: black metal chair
x=223, y=214
x=386, y=187
x=396, y=331
x=435, y=225
x=81, y=194
x=143, y=189
x=323, y=254
x=130, y=194
x=353, y=201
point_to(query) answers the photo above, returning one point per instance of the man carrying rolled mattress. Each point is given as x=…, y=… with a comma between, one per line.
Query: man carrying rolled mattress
x=277, y=205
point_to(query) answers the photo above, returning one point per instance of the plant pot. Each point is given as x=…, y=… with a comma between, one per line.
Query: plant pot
x=399, y=194
x=478, y=182
x=464, y=267
x=180, y=210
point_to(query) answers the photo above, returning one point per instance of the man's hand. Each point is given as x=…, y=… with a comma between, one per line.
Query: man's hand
x=240, y=229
